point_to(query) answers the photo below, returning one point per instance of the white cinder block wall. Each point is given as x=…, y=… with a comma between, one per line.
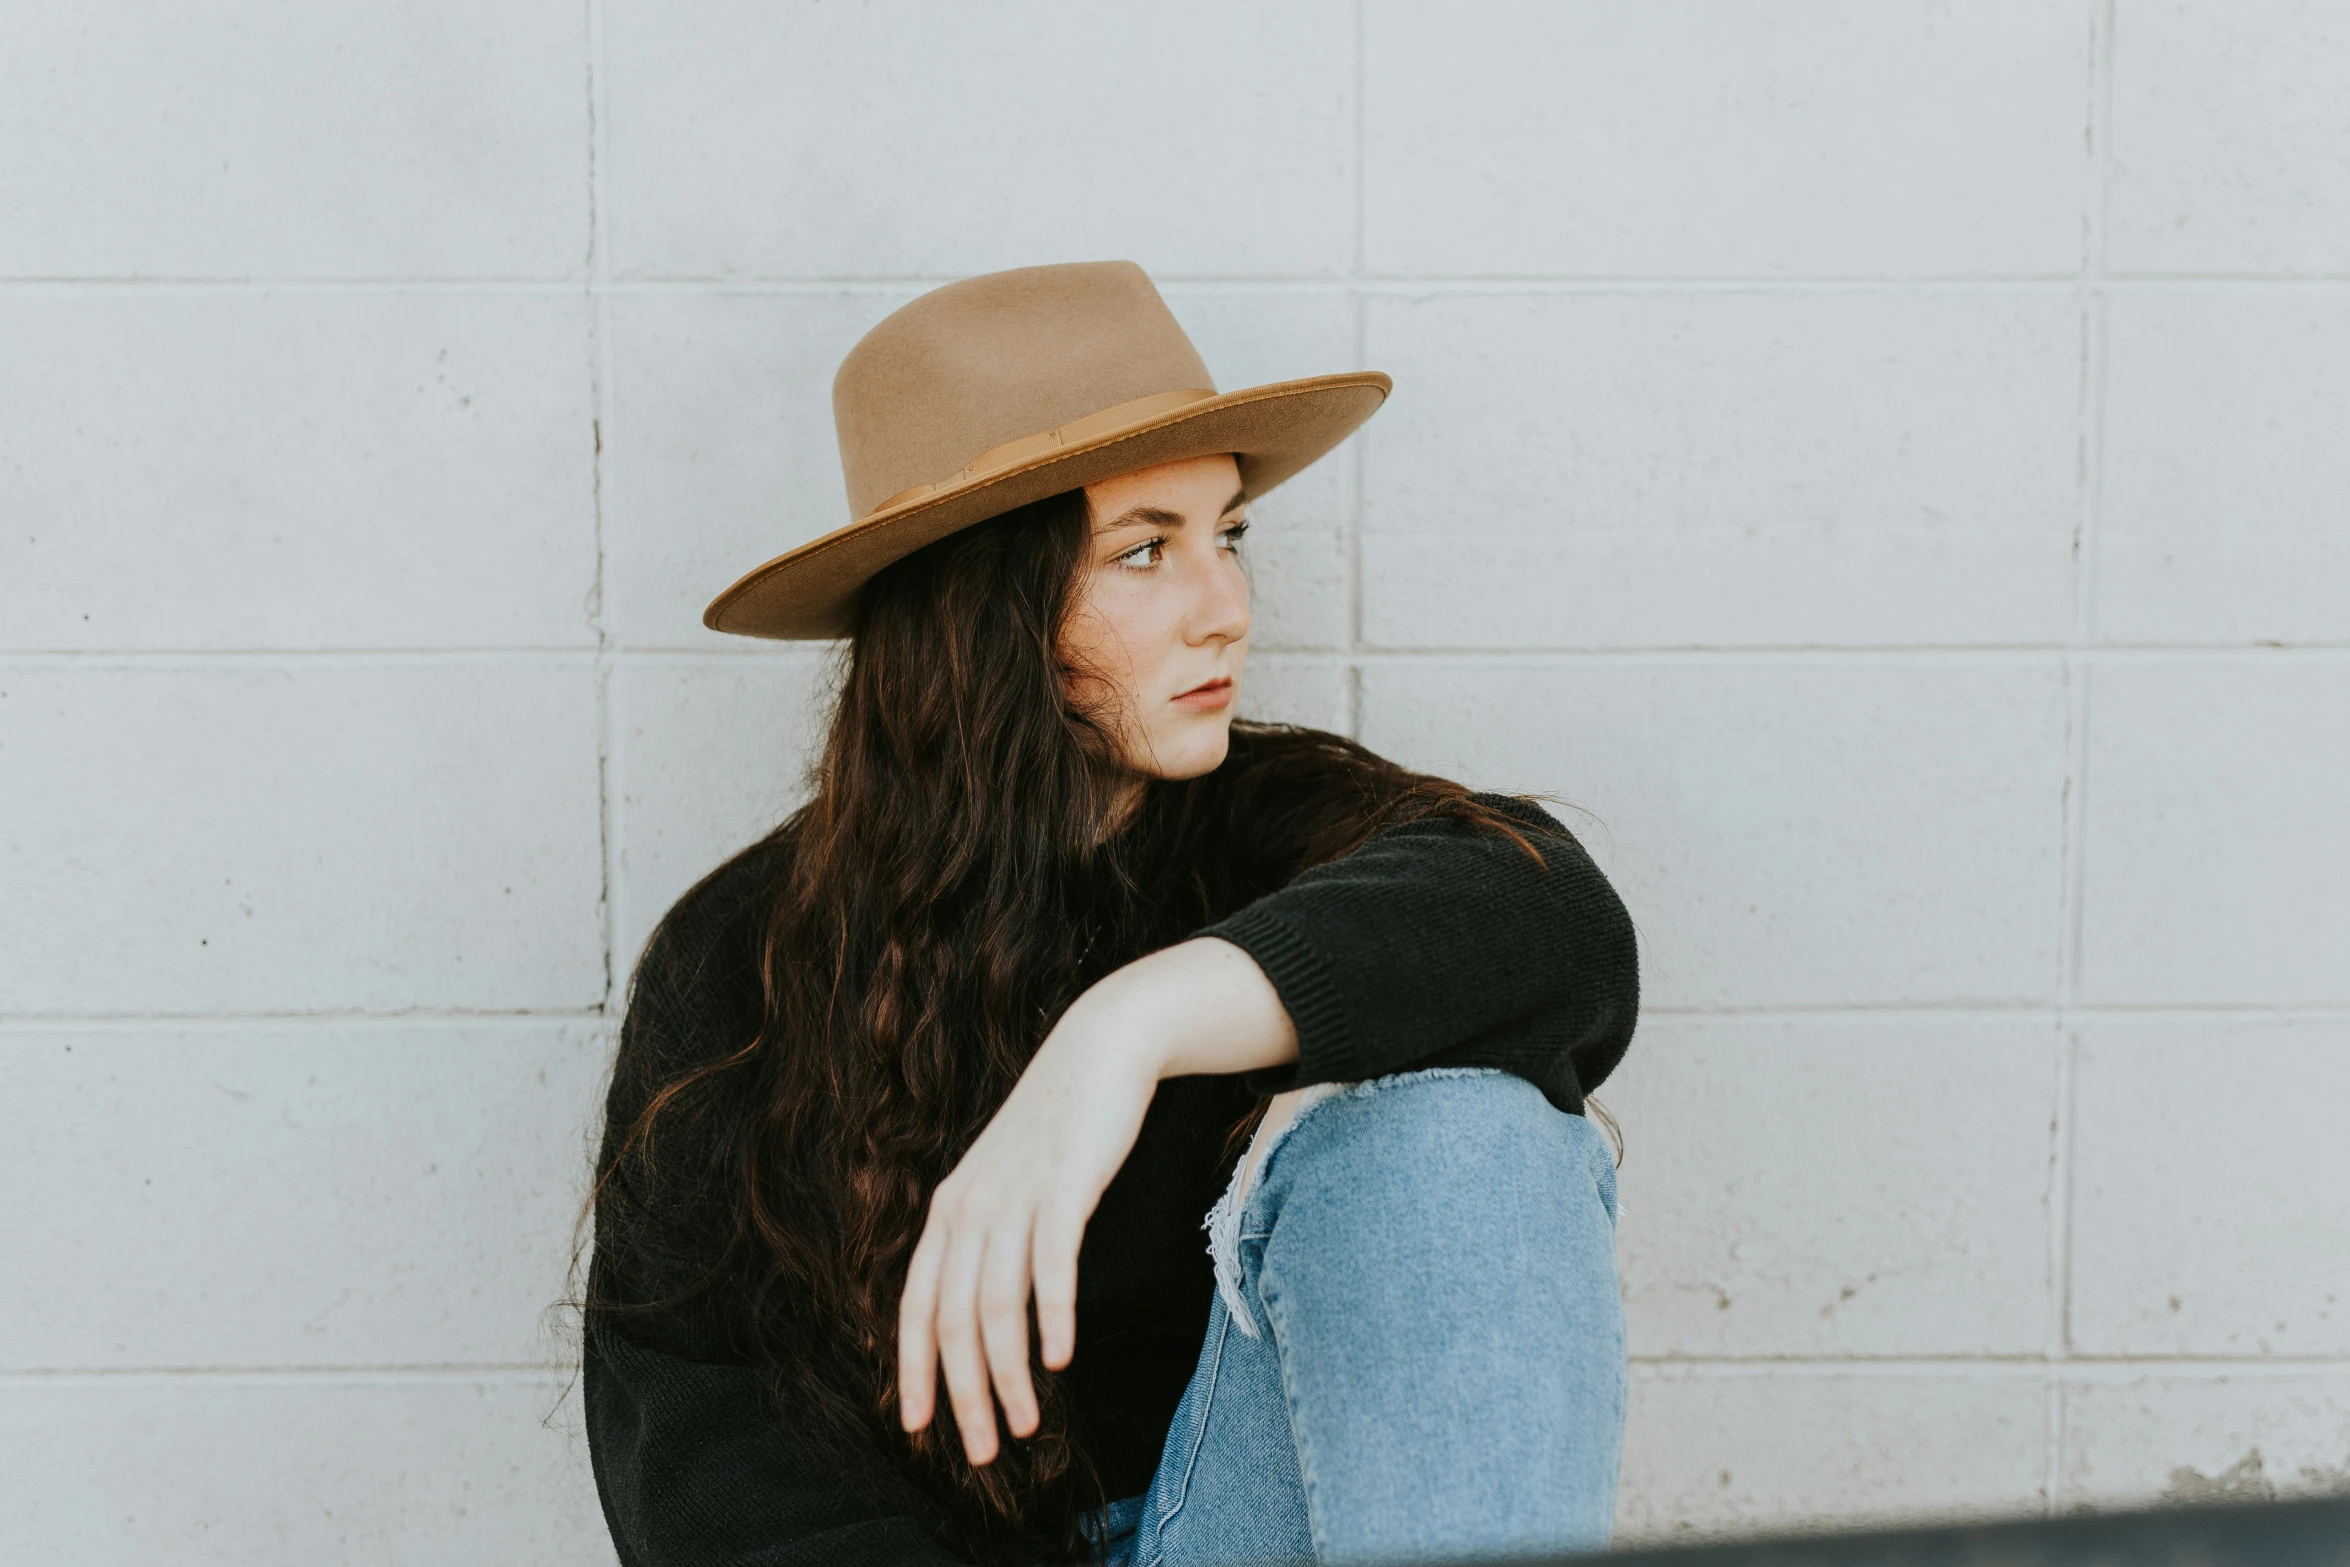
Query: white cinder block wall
x=1885, y=460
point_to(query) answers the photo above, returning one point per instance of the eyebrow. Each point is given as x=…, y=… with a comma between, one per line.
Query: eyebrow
x=1160, y=517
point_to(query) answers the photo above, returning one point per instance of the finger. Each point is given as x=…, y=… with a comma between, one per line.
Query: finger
x=958, y=1340
x=1054, y=1252
x=1003, y=1323
x=917, y=1343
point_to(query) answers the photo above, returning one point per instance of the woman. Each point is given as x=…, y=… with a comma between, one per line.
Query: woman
x=984, y=1026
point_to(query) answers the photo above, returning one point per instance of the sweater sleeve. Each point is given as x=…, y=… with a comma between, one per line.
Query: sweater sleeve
x=694, y=1463
x=1439, y=943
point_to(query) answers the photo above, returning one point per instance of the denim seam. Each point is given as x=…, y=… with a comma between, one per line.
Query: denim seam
x=1198, y=1438
x=1305, y=1466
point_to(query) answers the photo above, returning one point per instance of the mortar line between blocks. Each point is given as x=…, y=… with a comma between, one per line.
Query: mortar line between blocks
x=606, y=848
x=599, y=205
x=1761, y=653
x=1350, y=689
x=1954, y=652
x=2080, y=681
x=510, y=1373
x=1351, y=680
x=2050, y=653
x=1893, y=1013
x=600, y=379
x=598, y=382
x=1362, y=112
x=2098, y=137
x=599, y=389
x=1354, y=495
x=197, y=658
x=2017, y=1011
x=1284, y=283
x=2061, y=1177
x=182, y=1023
x=2105, y=1371
x=2059, y=1198
x=2052, y=1438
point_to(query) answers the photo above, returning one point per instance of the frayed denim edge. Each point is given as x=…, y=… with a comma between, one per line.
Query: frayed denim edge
x=1223, y=1220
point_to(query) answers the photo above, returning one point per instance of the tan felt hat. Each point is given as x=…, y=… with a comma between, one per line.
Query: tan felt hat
x=1000, y=390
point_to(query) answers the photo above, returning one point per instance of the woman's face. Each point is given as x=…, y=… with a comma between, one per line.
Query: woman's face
x=1161, y=616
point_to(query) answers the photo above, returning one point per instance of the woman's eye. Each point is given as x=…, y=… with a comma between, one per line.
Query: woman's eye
x=1154, y=549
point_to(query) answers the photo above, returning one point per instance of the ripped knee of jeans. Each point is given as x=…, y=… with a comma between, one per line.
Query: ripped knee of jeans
x=1223, y=1220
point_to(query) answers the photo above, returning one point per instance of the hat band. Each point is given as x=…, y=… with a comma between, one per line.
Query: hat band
x=1011, y=453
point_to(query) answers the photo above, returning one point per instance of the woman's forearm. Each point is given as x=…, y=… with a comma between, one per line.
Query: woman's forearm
x=1008, y=1220
x=1437, y=941
x=1200, y=1006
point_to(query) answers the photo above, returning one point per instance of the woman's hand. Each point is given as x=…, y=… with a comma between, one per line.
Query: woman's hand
x=1008, y=1219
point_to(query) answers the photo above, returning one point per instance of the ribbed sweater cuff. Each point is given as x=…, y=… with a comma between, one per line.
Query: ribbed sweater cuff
x=1309, y=992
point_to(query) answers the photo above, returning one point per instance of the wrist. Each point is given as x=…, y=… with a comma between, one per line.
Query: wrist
x=1200, y=1006
x=1136, y=1012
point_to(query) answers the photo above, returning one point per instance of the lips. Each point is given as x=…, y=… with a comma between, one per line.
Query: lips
x=1220, y=683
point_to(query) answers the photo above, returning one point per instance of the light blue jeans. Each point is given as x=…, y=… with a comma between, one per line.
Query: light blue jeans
x=1416, y=1350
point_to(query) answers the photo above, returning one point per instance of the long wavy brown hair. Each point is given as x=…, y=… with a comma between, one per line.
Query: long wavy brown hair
x=919, y=939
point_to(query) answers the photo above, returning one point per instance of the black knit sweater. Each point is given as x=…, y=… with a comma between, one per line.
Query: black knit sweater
x=1434, y=943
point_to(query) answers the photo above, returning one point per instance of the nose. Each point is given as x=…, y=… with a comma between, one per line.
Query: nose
x=1219, y=601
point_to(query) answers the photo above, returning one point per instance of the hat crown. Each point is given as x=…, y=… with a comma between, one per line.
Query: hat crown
x=989, y=360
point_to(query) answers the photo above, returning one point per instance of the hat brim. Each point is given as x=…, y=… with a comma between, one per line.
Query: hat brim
x=1274, y=430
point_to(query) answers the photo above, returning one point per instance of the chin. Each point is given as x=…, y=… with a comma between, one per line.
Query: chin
x=1195, y=749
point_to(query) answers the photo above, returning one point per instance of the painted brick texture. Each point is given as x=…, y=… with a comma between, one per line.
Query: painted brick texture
x=1881, y=464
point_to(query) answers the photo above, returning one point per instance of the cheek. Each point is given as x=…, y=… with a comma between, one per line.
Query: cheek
x=1119, y=632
